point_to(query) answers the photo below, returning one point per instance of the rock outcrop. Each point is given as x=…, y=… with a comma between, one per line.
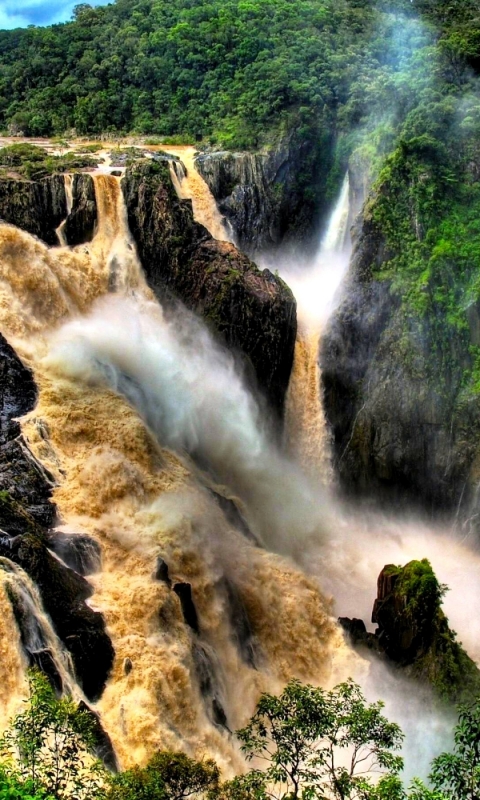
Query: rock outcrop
x=273, y=197
x=39, y=207
x=26, y=514
x=254, y=312
x=80, y=223
x=413, y=632
x=22, y=478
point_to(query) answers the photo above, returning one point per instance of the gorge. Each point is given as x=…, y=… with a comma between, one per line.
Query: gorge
x=195, y=554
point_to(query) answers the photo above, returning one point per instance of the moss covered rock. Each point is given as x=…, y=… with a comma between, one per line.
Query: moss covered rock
x=413, y=632
x=400, y=359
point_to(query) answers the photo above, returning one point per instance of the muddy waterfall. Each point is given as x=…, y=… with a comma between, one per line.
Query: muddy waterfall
x=195, y=557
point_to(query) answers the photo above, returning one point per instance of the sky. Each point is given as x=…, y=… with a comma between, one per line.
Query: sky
x=20, y=13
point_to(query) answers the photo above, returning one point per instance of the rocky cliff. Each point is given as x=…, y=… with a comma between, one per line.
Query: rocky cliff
x=413, y=632
x=399, y=359
x=273, y=197
x=39, y=207
x=253, y=311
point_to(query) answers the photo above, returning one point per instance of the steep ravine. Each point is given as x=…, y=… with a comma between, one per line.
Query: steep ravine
x=396, y=384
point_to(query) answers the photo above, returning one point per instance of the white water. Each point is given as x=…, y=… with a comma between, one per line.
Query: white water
x=317, y=283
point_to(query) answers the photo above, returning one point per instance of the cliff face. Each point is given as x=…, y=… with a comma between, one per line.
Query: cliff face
x=253, y=311
x=273, y=197
x=398, y=363
x=39, y=207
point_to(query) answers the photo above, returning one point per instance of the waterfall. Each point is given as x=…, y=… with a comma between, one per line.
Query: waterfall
x=68, y=183
x=190, y=185
x=315, y=286
x=122, y=436
x=153, y=439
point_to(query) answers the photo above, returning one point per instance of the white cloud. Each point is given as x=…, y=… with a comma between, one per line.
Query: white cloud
x=20, y=13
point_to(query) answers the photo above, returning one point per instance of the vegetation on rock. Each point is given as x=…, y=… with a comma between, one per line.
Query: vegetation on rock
x=33, y=162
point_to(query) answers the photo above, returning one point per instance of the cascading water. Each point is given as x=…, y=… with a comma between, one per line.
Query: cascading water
x=172, y=686
x=315, y=287
x=124, y=422
x=190, y=185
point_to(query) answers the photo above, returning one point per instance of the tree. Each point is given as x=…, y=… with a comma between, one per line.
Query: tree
x=48, y=746
x=11, y=788
x=456, y=776
x=167, y=776
x=319, y=744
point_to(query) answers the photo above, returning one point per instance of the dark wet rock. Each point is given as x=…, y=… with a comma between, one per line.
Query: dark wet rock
x=413, y=632
x=32, y=634
x=27, y=483
x=207, y=677
x=39, y=207
x=80, y=224
x=404, y=432
x=103, y=746
x=45, y=662
x=63, y=594
x=240, y=623
x=77, y=550
x=270, y=198
x=234, y=515
x=25, y=514
x=253, y=312
x=184, y=593
x=357, y=633
x=161, y=572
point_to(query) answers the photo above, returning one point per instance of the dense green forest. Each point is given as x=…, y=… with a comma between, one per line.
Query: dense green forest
x=235, y=71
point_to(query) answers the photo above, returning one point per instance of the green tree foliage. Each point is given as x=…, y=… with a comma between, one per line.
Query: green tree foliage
x=12, y=788
x=47, y=748
x=318, y=744
x=233, y=70
x=167, y=776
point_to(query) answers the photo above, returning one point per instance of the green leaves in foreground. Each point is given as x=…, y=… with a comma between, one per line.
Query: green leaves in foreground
x=167, y=776
x=47, y=748
x=318, y=744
